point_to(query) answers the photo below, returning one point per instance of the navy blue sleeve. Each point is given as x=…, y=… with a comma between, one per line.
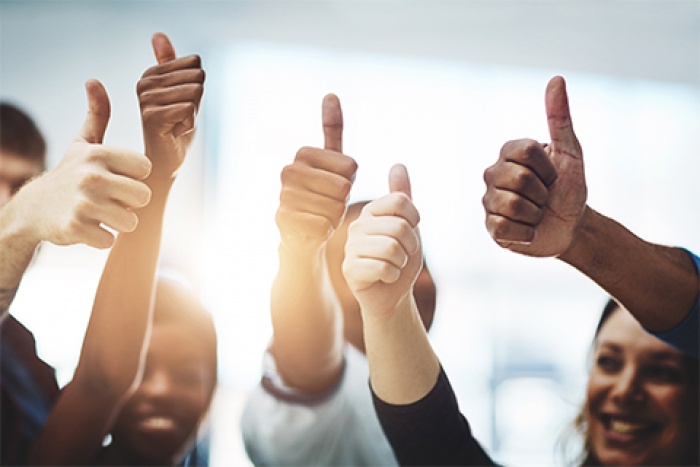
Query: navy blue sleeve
x=684, y=337
x=431, y=431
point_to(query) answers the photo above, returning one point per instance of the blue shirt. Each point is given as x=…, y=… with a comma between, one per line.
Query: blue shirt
x=684, y=337
x=29, y=389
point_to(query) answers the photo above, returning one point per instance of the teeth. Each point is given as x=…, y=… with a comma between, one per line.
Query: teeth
x=626, y=427
x=159, y=423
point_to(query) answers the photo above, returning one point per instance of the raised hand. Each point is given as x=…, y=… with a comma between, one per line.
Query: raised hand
x=383, y=253
x=93, y=186
x=536, y=193
x=316, y=186
x=169, y=95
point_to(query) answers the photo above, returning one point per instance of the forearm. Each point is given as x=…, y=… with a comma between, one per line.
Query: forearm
x=17, y=247
x=306, y=319
x=117, y=332
x=657, y=284
x=403, y=366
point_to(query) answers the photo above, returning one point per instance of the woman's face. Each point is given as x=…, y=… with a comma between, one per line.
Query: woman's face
x=642, y=400
x=160, y=420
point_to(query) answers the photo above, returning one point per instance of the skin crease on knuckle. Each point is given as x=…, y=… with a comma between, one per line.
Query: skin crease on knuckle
x=519, y=209
x=524, y=180
x=92, y=182
x=396, y=253
x=528, y=154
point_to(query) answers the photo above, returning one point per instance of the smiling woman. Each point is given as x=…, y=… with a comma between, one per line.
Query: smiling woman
x=642, y=398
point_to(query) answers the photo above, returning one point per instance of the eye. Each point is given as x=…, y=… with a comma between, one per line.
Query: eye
x=664, y=374
x=188, y=377
x=608, y=363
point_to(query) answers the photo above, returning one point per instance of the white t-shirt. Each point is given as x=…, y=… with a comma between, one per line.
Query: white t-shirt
x=294, y=429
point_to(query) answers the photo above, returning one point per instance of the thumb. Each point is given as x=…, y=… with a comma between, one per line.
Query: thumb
x=399, y=181
x=93, y=130
x=332, y=123
x=561, y=130
x=163, y=48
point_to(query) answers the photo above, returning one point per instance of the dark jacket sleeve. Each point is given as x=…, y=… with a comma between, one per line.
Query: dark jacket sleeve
x=431, y=431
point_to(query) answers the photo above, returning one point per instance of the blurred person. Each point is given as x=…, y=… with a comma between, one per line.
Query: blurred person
x=93, y=185
x=110, y=370
x=313, y=406
x=641, y=404
x=535, y=205
x=159, y=422
x=642, y=398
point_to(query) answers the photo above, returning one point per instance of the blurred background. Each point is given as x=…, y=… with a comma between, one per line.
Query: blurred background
x=437, y=85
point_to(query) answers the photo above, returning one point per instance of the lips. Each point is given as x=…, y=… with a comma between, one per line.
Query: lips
x=625, y=430
x=158, y=423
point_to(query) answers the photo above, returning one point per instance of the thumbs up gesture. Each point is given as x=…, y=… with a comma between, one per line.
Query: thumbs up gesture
x=169, y=95
x=316, y=187
x=93, y=186
x=536, y=193
x=383, y=253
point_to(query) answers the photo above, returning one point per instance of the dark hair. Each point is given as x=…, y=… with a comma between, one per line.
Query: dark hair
x=610, y=306
x=20, y=135
x=587, y=457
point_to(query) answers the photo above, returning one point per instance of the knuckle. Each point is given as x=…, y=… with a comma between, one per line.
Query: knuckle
x=513, y=205
x=73, y=227
x=488, y=174
x=143, y=85
x=151, y=71
x=149, y=114
x=304, y=154
x=336, y=211
x=90, y=180
x=344, y=187
x=530, y=152
x=393, y=248
x=146, y=96
x=486, y=201
x=289, y=175
x=499, y=227
x=94, y=153
x=523, y=179
x=507, y=148
x=349, y=164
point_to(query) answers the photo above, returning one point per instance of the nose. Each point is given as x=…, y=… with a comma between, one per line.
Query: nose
x=156, y=383
x=627, y=388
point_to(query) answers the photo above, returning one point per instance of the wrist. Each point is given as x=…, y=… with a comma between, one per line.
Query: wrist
x=17, y=226
x=379, y=313
x=300, y=247
x=583, y=238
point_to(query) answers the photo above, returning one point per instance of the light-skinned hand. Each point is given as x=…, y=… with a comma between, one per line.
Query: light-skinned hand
x=93, y=186
x=383, y=253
